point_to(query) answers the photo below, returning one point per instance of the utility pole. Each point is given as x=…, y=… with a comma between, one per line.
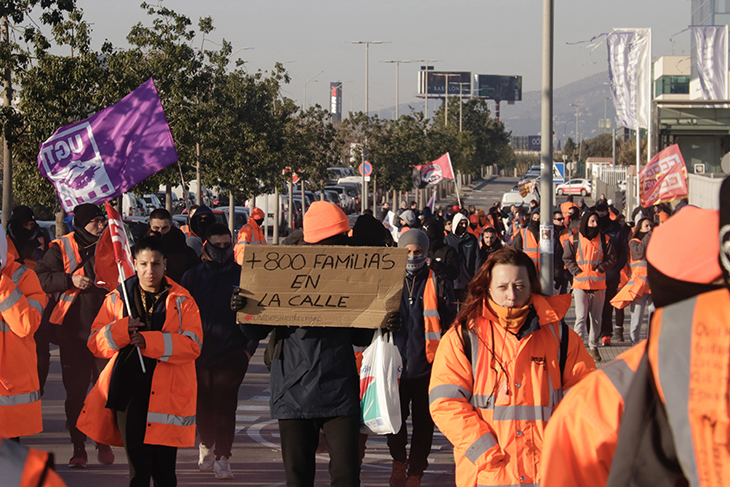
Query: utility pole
x=546, y=150
x=7, y=156
x=461, y=103
x=397, y=75
x=446, y=77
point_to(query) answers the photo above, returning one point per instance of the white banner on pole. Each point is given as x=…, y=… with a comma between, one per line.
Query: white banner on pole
x=712, y=60
x=629, y=71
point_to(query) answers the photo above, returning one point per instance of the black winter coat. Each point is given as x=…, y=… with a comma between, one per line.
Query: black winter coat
x=54, y=280
x=313, y=371
x=467, y=249
x=444, y=260
x=180, y=257
x=211, y=285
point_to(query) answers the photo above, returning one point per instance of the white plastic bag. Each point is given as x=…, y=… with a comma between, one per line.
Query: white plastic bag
x=379, y=375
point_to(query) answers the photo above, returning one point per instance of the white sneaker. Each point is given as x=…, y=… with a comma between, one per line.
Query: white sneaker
x=206, y=458
x=223, y=469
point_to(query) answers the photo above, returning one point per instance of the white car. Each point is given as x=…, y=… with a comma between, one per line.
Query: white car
x=514, y=197
x=574, y=186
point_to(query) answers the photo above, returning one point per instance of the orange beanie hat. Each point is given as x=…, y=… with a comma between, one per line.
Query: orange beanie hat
x=323, y=220
x=257, y=213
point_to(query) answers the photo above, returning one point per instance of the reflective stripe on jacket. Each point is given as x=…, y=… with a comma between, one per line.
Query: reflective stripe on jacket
x=581, y=438
x=531, y=247
x=26, y=467
x=186, y=230
x=494, y=407
x=21, y=307
x=431, y=318
x=71, y=260
x=588, y=256
x=689, y=356
x=171, y=411
x=251, y=233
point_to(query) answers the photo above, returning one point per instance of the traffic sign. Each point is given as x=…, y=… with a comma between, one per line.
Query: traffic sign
x=558, y=172
x=366, y=169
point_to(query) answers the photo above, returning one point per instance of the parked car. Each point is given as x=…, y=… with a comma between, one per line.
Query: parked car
x=240, y=216
x=347, y=202
x=152, y=202
x=622, y=186
x=574, y=186
x=513, y=197
x=133, y=206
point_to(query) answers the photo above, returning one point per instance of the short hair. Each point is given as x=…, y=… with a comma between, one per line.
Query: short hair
x=557, y=212
x=217, y=229
x=490, y=230
x=570, y=198
x=149, y=242
x=413, y=203
x=160, y=214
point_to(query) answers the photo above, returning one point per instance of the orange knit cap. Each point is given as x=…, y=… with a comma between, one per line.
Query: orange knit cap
x=687, y=246
x=257, y=213
x=323, y=220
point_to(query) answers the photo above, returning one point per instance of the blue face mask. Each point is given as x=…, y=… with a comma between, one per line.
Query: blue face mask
x=415, y=263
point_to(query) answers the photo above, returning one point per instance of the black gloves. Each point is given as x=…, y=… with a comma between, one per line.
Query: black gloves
x=238, y=302
x=393, y=322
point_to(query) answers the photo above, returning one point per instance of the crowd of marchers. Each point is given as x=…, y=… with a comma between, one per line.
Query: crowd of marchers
x=487, y=356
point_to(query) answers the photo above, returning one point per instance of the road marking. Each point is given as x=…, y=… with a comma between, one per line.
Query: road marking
x=252, y=408
x=260, y=398
x=254, y=432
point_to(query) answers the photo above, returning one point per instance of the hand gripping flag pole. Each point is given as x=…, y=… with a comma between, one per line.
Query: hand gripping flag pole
x=122, y=256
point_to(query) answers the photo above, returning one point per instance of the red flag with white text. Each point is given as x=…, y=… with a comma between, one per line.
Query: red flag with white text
x=112, y=249
x=664, y=179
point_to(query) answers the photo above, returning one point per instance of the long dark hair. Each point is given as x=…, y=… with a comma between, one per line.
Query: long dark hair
x=479, y=286
x=637, y=229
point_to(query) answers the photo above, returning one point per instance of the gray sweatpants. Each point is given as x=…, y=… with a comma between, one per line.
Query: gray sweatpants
x=589, y=302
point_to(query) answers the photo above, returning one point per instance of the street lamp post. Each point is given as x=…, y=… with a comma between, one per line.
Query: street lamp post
x=304, y=101
x=397, y=74
x=546, y=148
x=363, y=200
x=425, y=82
x=461, y=102
x=352, y=97
x=446, y=94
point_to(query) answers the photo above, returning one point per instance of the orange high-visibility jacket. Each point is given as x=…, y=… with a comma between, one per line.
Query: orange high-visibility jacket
x=531, y=247
x=251, y=233
x=565, y=208
x=71, y=261
x=494, y=408
x=431, y=317
x=581, y=438
x=589, y=261
x=186, y=230
x=689, y=357
x=638, y=284
x=171, y=413
x=27, y=467
x=21, y=306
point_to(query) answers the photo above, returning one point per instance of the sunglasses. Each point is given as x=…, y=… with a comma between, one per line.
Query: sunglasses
x=558, y=219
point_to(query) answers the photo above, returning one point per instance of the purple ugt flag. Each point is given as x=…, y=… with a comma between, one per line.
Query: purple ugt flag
x=105, y=155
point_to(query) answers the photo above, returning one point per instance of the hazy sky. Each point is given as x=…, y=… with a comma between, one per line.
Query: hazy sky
x=484, y=37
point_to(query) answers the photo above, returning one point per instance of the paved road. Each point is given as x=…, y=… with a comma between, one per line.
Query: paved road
x=256, y=459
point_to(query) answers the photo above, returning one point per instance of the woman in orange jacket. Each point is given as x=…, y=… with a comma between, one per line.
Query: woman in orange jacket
x=21, y=307
x=151, y=410
x=501, y=370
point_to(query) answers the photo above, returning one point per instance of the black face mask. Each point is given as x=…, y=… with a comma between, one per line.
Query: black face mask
x=534, y=225
x=259, y=221
x=592, y=232
x=219, y=255
x=460, y=230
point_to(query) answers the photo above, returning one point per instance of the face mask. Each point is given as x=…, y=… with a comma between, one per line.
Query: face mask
x=259, y=221
x=460, y=230
x=219, y=255
x=415, y=263
x=591, y=232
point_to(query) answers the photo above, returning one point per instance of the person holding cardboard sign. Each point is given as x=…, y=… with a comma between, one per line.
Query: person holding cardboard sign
x=314, y=379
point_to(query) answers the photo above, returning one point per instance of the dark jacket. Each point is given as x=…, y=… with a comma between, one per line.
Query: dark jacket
x=180, y=257
x=612, y=230
x=211, y=285
x=444, y=260
x=313, y=371
x=411, y=336
x=467, y=249
x=485, y=252
x=76, y=325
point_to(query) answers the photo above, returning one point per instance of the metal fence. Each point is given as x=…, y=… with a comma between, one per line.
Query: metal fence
x=609, y=174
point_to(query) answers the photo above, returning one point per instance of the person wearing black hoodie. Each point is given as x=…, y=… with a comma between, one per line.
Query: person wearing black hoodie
x=199, y=223
x=79, y=368
x=612, y=229
x=588, y=255
x=180, y=257
x=467, y=249
x=224, y=359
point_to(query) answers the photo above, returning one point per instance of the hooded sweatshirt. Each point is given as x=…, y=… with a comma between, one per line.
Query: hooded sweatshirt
x=196, y=241
x=467, y=249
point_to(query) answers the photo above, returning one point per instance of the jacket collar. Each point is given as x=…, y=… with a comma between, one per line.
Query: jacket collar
x=548, y=309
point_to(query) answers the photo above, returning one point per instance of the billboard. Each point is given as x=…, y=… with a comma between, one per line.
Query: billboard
x=336, y=102
x=437, y=83
x=496, y=87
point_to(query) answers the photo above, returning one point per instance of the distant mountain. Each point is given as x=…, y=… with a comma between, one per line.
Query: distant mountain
x=523, y=118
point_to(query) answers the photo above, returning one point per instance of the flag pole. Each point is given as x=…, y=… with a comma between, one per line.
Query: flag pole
x=456, y=185
x=129, y=310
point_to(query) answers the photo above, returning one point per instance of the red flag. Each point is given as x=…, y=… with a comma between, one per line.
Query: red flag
x=111, y=250
x=434, y=172
x=664, y=178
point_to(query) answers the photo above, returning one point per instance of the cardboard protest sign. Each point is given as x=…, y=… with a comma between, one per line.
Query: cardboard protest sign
x=321, y=286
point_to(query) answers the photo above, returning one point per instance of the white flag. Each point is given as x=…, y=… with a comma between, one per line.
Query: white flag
x=629, y=71
x=711, y=60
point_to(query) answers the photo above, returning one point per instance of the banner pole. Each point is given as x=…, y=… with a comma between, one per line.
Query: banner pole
x=129, y=310
x=456, y=186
